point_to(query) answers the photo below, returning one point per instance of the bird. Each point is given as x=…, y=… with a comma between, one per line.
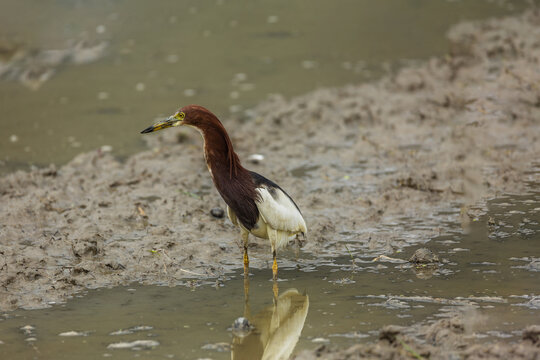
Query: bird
x=255, y=204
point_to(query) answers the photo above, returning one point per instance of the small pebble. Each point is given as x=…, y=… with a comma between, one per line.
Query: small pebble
x=255, y=158
x=28, y=328
x=241, y=327
x=217, y=212
x=424, y=256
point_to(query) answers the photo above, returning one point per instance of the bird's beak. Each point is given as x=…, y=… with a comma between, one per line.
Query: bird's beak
x=168, y=122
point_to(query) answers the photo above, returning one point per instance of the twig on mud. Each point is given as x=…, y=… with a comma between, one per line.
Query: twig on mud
x=190, y=272
x=191, y=194
x=411, y=350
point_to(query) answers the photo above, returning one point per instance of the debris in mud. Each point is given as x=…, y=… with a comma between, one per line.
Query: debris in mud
x=73, y=333
x=424, y=256
x=131, y=330
x=134, y=345
x=532, y=333
x=384, y=258
x=28, y=329
x=390, y=332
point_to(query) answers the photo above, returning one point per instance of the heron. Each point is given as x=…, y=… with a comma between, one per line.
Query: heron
x=255, y=204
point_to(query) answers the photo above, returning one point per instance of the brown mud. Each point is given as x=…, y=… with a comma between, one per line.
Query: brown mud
x=445, y=134
x=445, y=339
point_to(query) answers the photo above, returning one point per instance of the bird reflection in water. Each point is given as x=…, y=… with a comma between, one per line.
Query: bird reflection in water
x=272, y=333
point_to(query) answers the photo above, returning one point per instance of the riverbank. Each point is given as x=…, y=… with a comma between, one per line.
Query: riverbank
x=441, y=136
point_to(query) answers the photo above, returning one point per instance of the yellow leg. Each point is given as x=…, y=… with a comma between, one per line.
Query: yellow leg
x=245, y=235
x=246, y=258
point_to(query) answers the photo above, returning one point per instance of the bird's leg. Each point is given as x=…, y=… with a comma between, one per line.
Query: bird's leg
x=245, y=236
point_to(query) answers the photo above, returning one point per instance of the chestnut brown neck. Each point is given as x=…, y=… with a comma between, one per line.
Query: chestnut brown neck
x=233, y=182
x=218, y=151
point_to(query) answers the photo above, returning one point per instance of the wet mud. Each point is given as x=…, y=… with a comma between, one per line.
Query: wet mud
x=376, y=168
x=445, y=339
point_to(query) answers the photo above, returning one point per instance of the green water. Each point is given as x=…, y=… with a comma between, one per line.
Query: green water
x=225, y=55
x=492, y=273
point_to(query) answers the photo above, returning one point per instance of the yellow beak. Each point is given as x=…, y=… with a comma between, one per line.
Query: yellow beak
x=168, y=122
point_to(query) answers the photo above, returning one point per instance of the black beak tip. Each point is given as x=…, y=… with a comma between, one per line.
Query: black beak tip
x=147, y=130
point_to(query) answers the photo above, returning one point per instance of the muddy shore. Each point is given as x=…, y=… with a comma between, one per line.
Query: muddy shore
x=449, y=338
x=443, y=135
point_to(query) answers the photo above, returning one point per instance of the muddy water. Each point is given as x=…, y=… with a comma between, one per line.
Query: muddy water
x=491, y=272
x=226, y=55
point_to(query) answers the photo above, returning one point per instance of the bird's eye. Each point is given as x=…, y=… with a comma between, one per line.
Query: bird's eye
x=179, y=115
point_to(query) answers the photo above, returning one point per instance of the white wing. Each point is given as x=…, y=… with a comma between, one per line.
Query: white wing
x=279, y=212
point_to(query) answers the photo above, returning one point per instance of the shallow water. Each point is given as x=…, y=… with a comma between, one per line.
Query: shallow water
x=226, y=55
x=492, y=272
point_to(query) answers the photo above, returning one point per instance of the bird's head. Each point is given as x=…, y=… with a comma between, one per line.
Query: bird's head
x=192, y=115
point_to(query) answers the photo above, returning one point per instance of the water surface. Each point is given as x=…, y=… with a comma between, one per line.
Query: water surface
x=492, y=273
x=226, y=55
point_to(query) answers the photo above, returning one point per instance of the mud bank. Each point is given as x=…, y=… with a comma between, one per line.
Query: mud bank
x=450, y=338
x=362, y=162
